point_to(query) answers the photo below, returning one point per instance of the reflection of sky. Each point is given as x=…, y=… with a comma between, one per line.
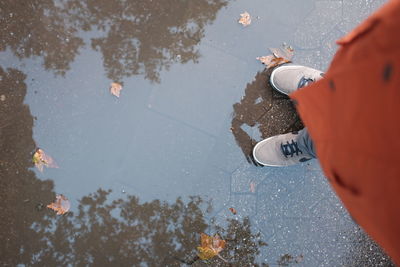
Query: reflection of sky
x=101, y=141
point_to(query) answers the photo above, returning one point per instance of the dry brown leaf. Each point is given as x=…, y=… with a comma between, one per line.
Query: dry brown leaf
x=61, y=205
x=245, y=19
x=40, y=159
x=115, y=89
x=266, y=59
x=279, y=56
x=278, y=61
x=234, y=212
x=272, y=61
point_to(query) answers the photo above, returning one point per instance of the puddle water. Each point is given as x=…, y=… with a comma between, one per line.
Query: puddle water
x=148, y=172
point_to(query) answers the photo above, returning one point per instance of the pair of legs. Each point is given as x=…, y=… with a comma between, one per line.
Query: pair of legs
x=291, y=148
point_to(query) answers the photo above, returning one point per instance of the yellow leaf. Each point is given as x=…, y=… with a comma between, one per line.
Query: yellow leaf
x=210, y=247
x=206, y=253
x=40, y=159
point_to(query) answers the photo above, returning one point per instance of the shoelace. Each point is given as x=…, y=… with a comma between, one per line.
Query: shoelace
x=304, y=82
x=289, y=149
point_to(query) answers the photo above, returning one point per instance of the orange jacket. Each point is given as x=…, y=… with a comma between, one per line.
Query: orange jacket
x=353, y=116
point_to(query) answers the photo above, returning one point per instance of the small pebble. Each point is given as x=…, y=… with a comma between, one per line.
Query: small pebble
x=3, y=98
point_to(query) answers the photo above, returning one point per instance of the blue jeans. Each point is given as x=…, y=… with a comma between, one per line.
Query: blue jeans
x=305, y=143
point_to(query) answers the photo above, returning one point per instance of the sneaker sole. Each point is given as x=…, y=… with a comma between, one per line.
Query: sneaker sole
x=271, y=79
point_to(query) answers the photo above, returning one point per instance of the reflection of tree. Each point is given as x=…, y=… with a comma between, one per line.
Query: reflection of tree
x=130, y=233
x=20, y=190
x=36, y=28
x=138, y=37
x=102, y=233
x=247, y=249
x=143, y=37
x=265, y=109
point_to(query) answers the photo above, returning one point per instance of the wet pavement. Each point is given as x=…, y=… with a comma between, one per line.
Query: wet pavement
x=149, y=171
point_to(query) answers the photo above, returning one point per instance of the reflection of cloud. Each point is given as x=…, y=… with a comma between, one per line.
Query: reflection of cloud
x=137, y=38
x=262, y=109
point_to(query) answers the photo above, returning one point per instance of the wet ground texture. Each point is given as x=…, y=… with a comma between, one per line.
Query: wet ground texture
x=148, y=172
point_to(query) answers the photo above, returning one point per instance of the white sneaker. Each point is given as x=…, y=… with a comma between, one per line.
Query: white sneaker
x=280, y=150
x=288, y=78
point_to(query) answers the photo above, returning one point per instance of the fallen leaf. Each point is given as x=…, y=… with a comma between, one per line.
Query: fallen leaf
x=279, y=56
x=62, y=205
x=272, y=61
x=266, y=59
x=115, y=89
x=234, y=212
x=245, y=19
x=210, y=247
x=252, y=187
x=40, y=159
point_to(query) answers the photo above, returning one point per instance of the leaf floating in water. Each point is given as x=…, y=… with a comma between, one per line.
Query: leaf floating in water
x=234, y=212
x=279, y=56
x=115, y=89
x=210, y=247
x=266, y=59
x=272, y=61
x=62, y=205
x=40, y=159
x=245, y=19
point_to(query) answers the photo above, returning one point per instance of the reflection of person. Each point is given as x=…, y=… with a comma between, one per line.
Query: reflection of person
x=262, y=111
x=352, y=116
